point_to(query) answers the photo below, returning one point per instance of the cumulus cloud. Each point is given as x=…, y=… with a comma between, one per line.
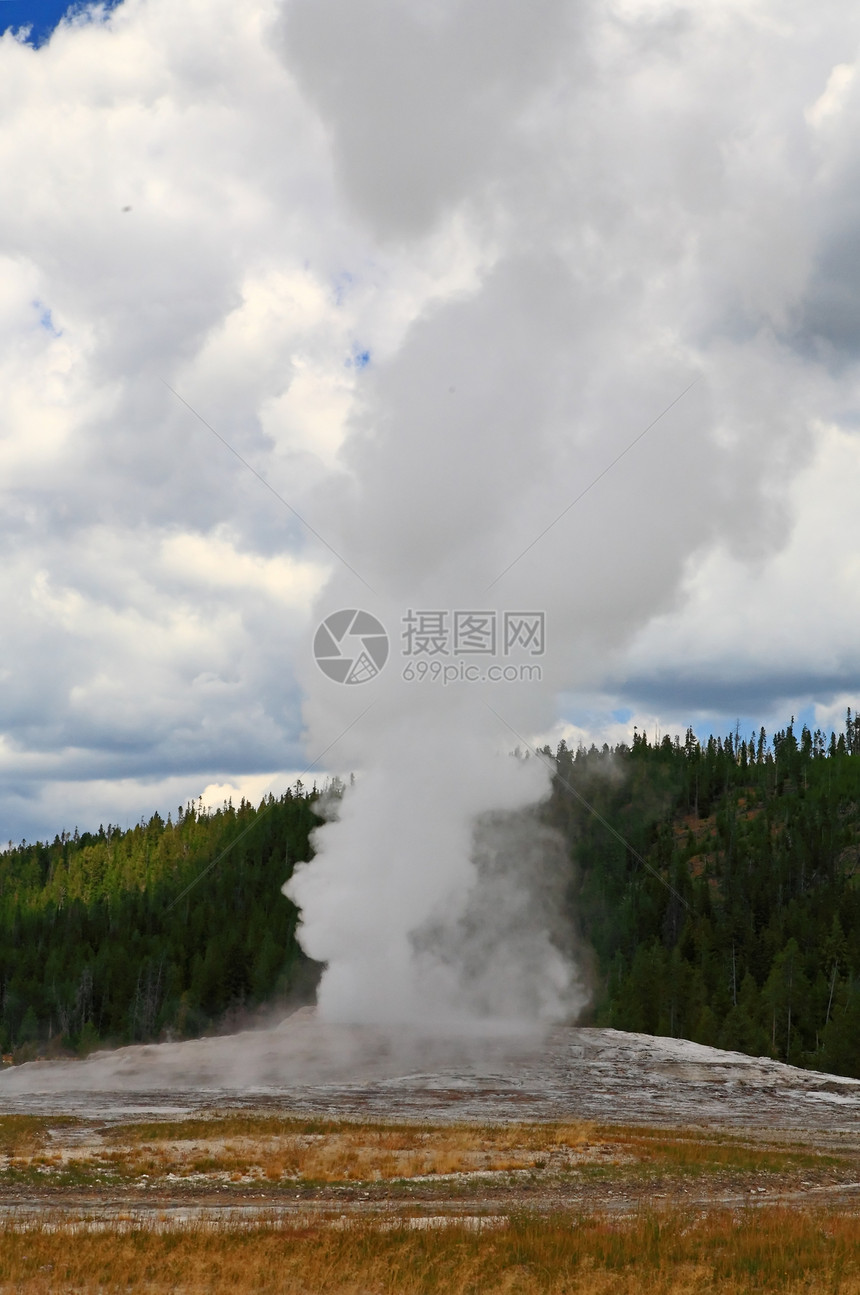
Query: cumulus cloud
x=428, y=267
x=163, y=223
x=773, y=636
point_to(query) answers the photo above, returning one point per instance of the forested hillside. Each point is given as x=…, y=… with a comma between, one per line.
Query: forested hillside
x=740, y=924
x=718, y=885
x=99, y=942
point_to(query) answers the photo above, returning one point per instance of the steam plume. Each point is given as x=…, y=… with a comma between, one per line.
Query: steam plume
x=561, y=184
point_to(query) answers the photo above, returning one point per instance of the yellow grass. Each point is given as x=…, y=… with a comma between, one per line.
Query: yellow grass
x=693, y=1152
x=21, y=1135
x=768, y=1251
x=707, y=1249
x=347, y=1151
x=337, y=1151
x=245, y=1148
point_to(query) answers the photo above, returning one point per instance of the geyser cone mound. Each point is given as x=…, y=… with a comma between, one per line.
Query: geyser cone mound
x=302, y=1050
x=308, y=1064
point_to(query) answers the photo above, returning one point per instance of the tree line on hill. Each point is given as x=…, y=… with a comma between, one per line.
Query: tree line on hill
x=722, y=905
x=730, y=914
x=124, y=936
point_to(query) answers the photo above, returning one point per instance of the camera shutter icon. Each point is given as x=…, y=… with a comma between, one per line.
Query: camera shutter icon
x=351, y=646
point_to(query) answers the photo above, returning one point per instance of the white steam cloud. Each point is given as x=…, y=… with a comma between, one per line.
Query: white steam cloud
x=609, y=218
x=430, y=266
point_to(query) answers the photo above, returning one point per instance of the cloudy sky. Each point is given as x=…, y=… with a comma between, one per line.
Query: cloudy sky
x=440, y=260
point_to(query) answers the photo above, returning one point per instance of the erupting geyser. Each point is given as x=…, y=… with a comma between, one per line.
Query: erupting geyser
x=434, y=897
x=486, y=152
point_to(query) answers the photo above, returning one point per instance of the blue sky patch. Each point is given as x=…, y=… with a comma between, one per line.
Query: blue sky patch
x=46, y=319
x=358, y=359
x=41, y=16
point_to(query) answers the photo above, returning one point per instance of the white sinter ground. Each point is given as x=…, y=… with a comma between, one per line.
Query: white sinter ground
x=502, y=1073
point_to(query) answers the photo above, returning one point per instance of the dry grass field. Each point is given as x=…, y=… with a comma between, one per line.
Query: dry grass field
x=283, y=1152
x=773, y=1250
x=245, y=1201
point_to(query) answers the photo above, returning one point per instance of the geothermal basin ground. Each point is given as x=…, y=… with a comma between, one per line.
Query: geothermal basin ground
x=319, y=1159
x=315, y=1121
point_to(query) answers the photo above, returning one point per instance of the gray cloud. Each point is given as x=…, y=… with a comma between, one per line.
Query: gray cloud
x=541, y=225
x=770, y=695
x=420, y=99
